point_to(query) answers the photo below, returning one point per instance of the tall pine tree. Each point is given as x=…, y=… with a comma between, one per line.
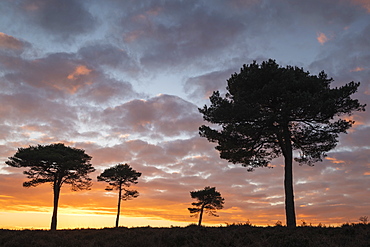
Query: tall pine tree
x=270, y=111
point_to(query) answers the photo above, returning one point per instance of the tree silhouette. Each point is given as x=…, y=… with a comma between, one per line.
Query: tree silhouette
x=56, y=164
x=208, y=200
x=270, y=111
x=119, y=177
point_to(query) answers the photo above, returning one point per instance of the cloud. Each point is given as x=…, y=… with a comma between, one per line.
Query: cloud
x=321, y=38
x=11, y=43
x=364, y=3
x=61, y=75
x=53, y=73
x=331, y=61
x=202, y=87
x=357, y=69
x=62, y=19
x=178, y=32
x=325, y=12
x=164, y=115
x=80, y=70
x=108, y=91
x=102, y=55
x=29, y=118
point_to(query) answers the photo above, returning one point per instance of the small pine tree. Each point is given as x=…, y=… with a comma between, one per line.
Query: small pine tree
x=364, y=219
x=118, y=177
x=208, y=200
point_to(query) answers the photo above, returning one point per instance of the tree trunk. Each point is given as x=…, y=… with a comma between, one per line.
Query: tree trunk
x=288, y=180
x=289, y=194
x=56, y=189
x=119, y=206
x=201, y=216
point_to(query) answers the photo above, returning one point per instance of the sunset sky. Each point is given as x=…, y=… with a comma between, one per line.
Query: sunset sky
x=123, y=81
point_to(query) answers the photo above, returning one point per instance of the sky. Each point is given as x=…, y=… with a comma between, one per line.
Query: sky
x=123, y=80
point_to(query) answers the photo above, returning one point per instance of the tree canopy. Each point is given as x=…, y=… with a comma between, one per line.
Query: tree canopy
x=208, y=200
x=118, y=177
x=270, y=111
x=56, y=164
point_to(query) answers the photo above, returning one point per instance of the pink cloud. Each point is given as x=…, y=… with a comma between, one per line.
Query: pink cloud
x=164, y=115
x=51, y=73
x=203, y=86
x=357, y=69
x=363, y=3
x=79, y=70
x=9, y=42
x=322, y=38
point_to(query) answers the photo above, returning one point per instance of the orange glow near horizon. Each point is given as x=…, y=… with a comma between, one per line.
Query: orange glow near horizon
x=41, y=220
x=73, y=218
x=31, y=208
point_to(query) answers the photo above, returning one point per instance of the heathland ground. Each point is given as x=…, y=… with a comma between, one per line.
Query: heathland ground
x=232, y=235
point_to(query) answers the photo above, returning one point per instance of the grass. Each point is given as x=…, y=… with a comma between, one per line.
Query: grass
x=232, y=235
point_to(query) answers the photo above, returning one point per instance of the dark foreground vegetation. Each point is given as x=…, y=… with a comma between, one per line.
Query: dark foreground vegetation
x=232, y=235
